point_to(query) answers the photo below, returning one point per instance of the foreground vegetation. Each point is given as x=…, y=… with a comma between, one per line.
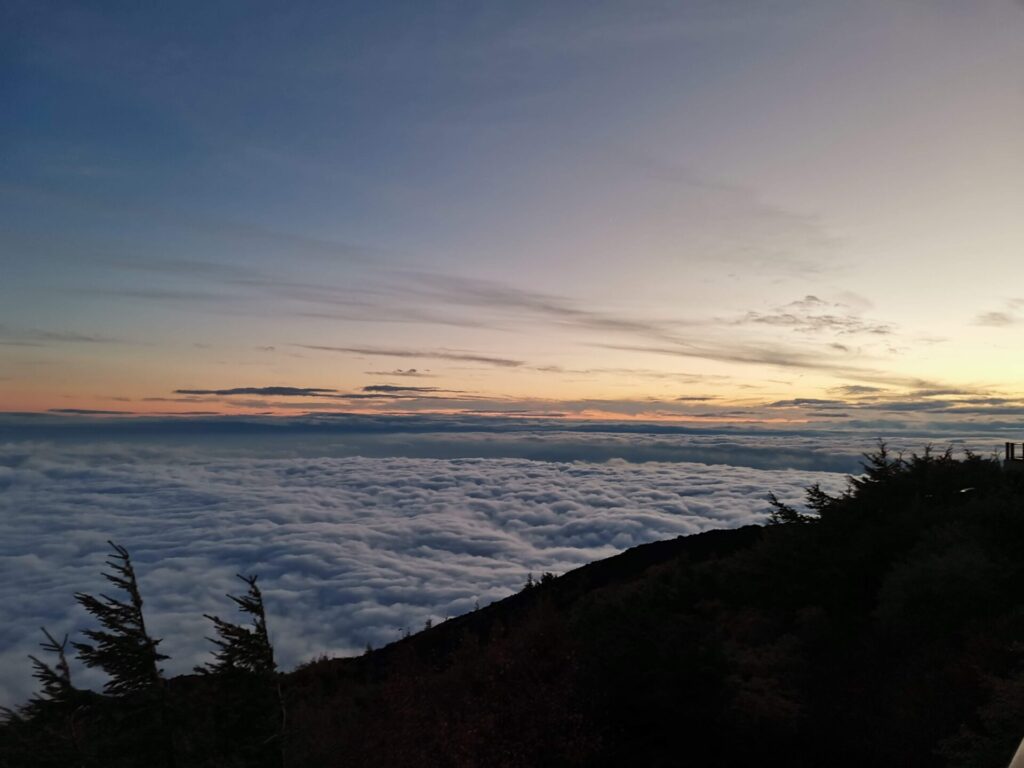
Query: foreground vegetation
x=882, y=626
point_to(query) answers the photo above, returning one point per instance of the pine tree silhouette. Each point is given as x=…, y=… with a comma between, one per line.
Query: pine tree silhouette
x=783, y=513
x=123, y=649
x=55, y=681
x=43, y=729
x=245, y=659
x=241, y=648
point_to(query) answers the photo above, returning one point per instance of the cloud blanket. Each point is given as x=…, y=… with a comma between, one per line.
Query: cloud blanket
x=350, y=550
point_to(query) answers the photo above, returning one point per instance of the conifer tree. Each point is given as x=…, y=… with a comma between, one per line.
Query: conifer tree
x=55, y=681
x=783, y=513
x=43, y=730
x=245, y=654
x=126, y=651
x=123, y=649
x=242, y=648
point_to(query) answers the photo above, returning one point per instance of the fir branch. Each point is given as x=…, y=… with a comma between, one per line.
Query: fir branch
x=242, y=648
x=123, y=648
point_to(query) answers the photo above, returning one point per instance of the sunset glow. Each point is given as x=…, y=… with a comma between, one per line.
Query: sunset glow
x=700, y=213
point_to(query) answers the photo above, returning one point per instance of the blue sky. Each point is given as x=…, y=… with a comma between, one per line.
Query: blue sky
x=584, y=208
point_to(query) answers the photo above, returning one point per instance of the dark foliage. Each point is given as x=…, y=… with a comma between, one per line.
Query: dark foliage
x=241, y=648
x=123, y=648
x=43, y=731
x=55, y=681
x=126, y=651
x=250, y=710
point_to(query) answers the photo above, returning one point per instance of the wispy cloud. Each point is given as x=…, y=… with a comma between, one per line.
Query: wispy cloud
x=38, y=337
x=189, y=399
x=268, y=391
x=1007, y=316
x=807, y=401
x=953, y=403
x=810, y=314
x=409, y=372
x=314, y=398
x=857, y=390
x=996, y=319
x=420, y=297
x=88, y=412
x=215, y=299
x=763, y=355
x=681, y=377
x=388, y=388
x=768, y=238
x=531, y=306
x=943, y=392
x=425, y=354
x=779, y=356
x=814, y=315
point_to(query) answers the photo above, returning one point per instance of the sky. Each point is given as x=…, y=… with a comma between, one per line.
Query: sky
x=392, y=303
x=775, y=213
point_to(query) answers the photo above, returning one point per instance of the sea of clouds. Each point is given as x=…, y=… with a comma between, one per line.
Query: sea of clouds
x=350, y=549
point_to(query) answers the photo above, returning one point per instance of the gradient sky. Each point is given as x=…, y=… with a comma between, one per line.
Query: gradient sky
x=725, y=210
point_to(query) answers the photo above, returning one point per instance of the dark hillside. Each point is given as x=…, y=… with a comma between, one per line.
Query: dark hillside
x=883, y=627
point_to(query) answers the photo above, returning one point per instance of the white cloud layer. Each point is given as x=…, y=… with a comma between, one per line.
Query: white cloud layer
x=349, y=549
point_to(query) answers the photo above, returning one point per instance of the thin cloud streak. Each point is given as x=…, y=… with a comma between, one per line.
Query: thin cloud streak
x=996, y=319
x=780, y=357
x=495, y=305
x=546, y=309
x=29, y=337
x=388, y=388
x=803, y=315
x=272, y=391
x=535, y=305
x=441, y=354
x=89, y=412
x=814, y=315
x=409, y=372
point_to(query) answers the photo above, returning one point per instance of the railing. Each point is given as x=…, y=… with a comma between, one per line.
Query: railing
x=1012, y=454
